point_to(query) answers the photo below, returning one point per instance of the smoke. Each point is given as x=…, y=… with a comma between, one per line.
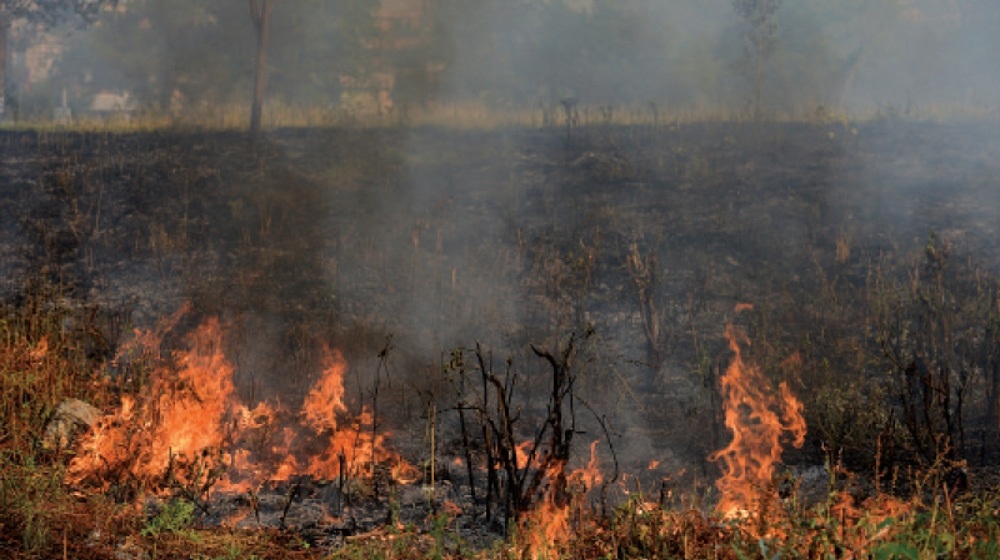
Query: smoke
x=918, y=57
x=444, y=238
x=688, y=55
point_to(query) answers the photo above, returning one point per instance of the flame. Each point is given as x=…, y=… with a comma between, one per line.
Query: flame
x=590, y=476
x=863, y=526
x=743, y=306
x=522, y=455
x=188, y=427
x=40, y=351
x=326, y=399
x=178, y=419
x=758, y=419
x=547, y=526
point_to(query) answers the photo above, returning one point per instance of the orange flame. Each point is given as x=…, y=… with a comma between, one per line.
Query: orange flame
x=758, y=419
x=522, y=455
x=189, y=427
x=326, y=399
x=863, y=526
x=547, y=527
x=590, y=476
x=177, y=419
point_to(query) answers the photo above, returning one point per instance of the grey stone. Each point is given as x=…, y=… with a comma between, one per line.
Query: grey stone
x=71, y=418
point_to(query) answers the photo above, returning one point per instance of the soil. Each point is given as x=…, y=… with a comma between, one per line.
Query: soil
x=414, y=242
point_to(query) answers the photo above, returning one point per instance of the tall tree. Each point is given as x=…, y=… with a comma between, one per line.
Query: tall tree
x=760, y=37
x=260, y=10
x=44, y=14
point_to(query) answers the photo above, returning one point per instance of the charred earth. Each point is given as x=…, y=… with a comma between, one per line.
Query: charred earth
x=442, y=264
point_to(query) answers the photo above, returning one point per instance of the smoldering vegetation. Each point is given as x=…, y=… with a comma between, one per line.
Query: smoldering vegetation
x=434, y=259
x=526, y=223
x=421, y=243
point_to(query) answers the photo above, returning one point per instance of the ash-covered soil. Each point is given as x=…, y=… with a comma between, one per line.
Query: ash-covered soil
x=406, y=244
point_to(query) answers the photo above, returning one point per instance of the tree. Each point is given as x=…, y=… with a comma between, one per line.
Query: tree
x=43, y=14
x=193, y=59
x=260, y=10
x=760, y=39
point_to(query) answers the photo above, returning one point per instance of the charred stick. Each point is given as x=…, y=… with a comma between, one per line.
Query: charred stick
x=342, y=475
x=383, y=355
x=254, y=504
x=491, y=434
x=293, y=492
x=432, y=432
x=506, y=445
x=492, y=483
x=465, y=435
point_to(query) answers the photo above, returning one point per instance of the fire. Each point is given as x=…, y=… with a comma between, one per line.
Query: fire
x=40, y=351
x=547, y=526
x=188, y=427
x=522, y=455
x=758, y=419
x=589, y=476
x=177, y=420
x=326, y=399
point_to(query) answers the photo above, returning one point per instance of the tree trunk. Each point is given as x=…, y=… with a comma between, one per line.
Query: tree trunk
x=261, y=12
x=4, y=28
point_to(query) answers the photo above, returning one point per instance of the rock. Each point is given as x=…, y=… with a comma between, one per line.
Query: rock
x=71, y=418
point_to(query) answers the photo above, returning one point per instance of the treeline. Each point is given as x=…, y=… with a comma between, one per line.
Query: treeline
x=681, y=54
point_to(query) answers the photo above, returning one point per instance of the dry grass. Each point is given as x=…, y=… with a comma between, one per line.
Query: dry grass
x=476, y=115
x=44, y=360
x=41, y=518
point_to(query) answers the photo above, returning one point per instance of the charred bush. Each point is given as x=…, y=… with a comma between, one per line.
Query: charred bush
x=519, y=470
x=941, y=346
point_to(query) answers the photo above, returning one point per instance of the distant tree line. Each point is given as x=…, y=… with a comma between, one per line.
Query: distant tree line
x=753, y=55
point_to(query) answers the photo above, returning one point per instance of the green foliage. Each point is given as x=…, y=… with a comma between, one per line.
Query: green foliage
x=235, y=552
x=174, y=517
x=895, y=551
x=31, y=497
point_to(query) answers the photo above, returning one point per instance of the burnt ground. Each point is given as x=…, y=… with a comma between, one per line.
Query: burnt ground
x=421, y=241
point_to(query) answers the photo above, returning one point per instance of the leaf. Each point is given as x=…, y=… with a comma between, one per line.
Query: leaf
x=896, y=551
